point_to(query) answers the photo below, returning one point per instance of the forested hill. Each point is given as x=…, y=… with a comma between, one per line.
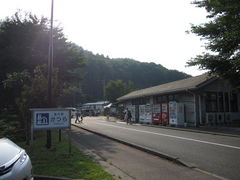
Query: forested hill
x=99, y=70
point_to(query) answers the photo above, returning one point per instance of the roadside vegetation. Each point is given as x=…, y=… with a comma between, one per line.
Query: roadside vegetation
x=10, y=126
x=57, y=161
x=78, y=75
x=221, y=32
x=23, y=71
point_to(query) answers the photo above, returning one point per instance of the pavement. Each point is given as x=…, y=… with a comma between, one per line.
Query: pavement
x=127, y=163
x=222, y=131
x=118, y=173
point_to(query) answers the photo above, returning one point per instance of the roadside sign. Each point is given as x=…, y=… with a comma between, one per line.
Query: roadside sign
x=50, y=118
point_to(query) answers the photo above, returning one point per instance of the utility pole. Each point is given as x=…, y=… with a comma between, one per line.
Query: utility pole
x=104, y=93
x=50, y=69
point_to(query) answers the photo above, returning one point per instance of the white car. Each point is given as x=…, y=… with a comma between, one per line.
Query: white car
x=15, y=164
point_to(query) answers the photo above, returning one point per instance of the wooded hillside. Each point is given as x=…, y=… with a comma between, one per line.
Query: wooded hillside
x=100, y=70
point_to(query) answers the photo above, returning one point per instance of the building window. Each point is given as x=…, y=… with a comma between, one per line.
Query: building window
x=171, y=98
x=234, y=102
x=211, y=102
x=220, y=102
x=139, y=101
x=158, y=99
x=162, y=99
x=226, y=97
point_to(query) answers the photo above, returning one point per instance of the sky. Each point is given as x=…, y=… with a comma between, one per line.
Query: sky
x=144, y=30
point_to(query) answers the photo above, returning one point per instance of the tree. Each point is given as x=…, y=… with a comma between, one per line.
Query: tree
x=223, y=35
x=100, y=69
x=13, y=85
x=116, y=88
x=34, y=94
x=70, y=97
x=24, y=46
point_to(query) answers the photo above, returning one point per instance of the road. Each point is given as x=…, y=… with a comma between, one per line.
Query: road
x=216, y=154
x=127, y=163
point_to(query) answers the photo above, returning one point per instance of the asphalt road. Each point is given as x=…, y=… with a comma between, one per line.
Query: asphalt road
x=216, y=154
x=127, y=163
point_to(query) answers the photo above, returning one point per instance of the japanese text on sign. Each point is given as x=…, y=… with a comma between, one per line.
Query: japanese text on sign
x=51, y=119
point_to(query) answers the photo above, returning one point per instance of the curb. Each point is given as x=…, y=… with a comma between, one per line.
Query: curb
x=150, y=151
x=39, y=177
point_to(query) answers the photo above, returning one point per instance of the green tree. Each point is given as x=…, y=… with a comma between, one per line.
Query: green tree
x=100, y=69
x=222, y=32
x=117, y=88
x=24, y=45
x=70, y=97
x=34, y=94
x=13, y=85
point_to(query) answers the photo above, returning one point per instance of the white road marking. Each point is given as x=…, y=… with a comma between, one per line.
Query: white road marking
x=177, y=137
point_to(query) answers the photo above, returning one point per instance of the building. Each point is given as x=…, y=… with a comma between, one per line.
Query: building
x=94, y=108
x=206, y=100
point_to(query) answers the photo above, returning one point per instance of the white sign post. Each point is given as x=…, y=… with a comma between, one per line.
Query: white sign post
x=51, y=118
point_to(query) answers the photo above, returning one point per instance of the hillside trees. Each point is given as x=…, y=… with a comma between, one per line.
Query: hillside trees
x=222, y=32
x=116, y=88
x=24, y=46
x=100, y=70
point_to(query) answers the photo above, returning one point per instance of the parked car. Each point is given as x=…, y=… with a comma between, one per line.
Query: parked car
x=15, y=164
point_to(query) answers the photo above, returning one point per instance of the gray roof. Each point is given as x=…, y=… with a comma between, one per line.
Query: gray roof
x=96, y=103
x=175, y=86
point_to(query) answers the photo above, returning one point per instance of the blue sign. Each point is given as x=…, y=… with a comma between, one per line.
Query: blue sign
x=42, y=119
x=51, y=118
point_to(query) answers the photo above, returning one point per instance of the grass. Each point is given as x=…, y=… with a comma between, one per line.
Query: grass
x=57, y=161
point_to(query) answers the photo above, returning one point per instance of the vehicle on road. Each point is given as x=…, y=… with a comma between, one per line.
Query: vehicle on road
x=15, y=164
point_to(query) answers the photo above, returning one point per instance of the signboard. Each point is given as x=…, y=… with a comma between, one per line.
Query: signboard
x=50, y=118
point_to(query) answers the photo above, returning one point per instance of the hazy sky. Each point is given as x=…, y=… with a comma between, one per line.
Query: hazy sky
x=145, y=30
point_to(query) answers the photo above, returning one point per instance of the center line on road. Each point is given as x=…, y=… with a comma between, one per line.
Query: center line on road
x=177, y=137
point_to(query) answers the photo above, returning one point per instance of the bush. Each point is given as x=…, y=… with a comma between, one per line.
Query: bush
x=10, y=127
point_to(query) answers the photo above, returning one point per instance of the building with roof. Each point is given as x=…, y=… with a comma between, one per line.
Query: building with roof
x=94, y=108
x=204, y=100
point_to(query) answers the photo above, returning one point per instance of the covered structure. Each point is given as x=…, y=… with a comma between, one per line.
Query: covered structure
x=94, y=108
x=205, y=99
